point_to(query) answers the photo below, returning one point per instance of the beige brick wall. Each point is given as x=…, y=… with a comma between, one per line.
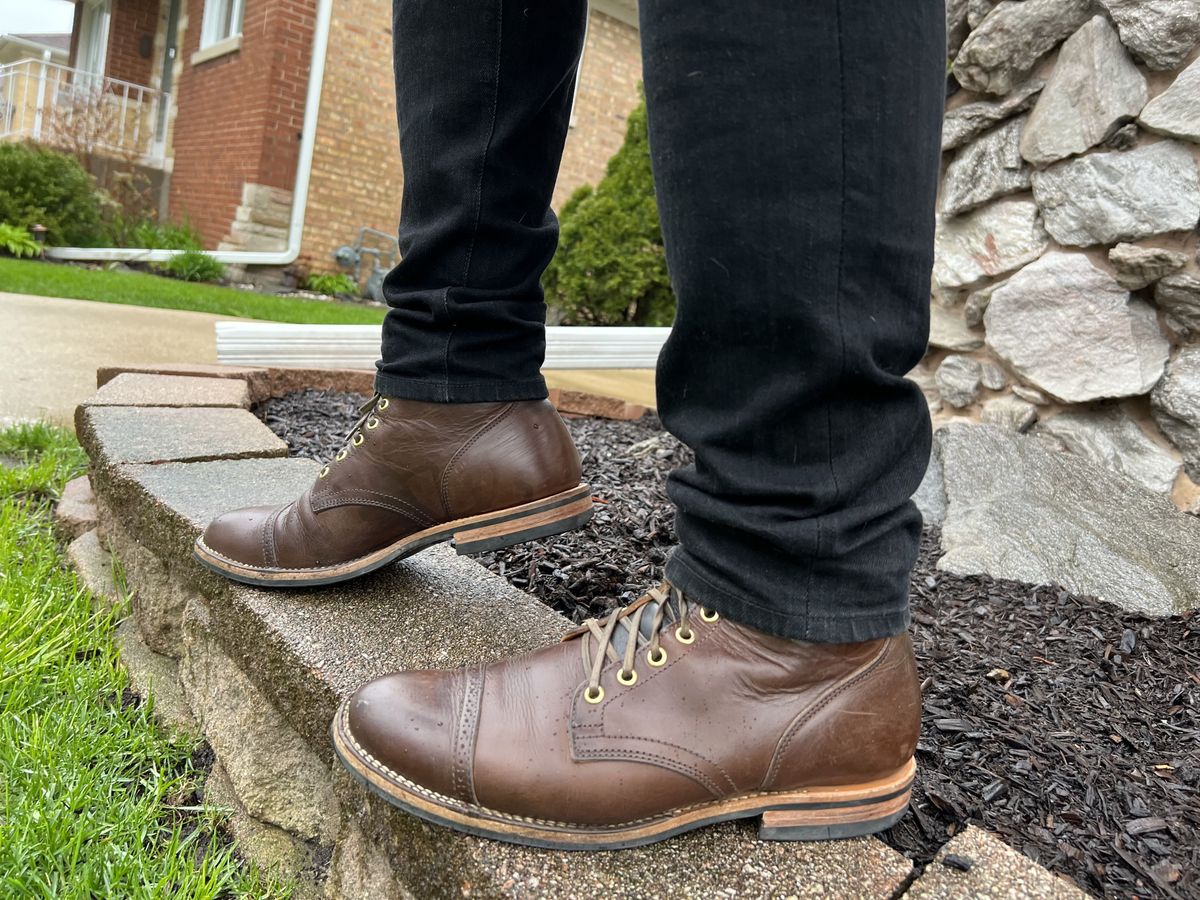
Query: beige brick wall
x=356, y=177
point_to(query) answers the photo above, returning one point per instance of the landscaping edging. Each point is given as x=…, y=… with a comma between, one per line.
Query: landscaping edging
x=261, y=672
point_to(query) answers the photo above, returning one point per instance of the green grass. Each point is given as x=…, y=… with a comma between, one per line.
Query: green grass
x=95, y=800
x=23, y=276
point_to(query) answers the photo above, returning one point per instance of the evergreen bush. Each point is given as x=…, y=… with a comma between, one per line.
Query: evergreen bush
x=610, y=268
x=43, y=187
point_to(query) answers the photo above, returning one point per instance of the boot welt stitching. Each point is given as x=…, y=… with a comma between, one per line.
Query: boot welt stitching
x=468, y=807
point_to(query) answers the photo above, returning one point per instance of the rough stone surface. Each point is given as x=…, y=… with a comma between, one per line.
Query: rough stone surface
x=1070, y=329
x=963, y=124
x=925, y=381
x=1010, y=41
x=1176, y=406
x=990, y=166
x=948, y=330
x=1017, y=509
x=130, y=389
x=930, y=497
x=1138, y=267
x=958, y=379
x=159, y=595
x=993, y=377
x=123, y=434
x=105, y=374
x=1010, y=413
x=1158, y=32
x=1111, y=439
x=957, y=26
x=1095, y=89
x=1120, y=196
x=1034, y=396
x=1179, y=297
x=976, y=304
x=998, y=871
x=977, y=11
x=264, y=382
x=1123, y=138
x=1176, y=111
x=94, y=567
x=998, y=238
x=274, y=773
x=155, y=676
x=359, y=870
x=75, y=511
x=724, y=860
x=272, y=848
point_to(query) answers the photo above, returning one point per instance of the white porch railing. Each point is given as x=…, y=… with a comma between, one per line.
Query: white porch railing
x=64, y=107
x=357, y=346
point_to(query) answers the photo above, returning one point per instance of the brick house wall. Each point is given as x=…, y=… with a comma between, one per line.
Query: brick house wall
x=131, y=40
x=239, y=116
x=356, y=176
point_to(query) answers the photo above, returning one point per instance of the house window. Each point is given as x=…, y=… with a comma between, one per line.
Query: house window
x=222, y=21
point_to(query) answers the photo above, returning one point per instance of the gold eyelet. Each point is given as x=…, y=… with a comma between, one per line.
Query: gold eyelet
x=383, y=403
x=358, y=439
x=632, y=677
x=372, y=423
x=659, y=660
x=691, y=636
x=324, y=472
x=341, y=454
x=708, y=615
x=596, y=697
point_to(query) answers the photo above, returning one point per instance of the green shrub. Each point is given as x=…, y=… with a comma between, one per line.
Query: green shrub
x=331, y=283
x=192, y=265
x=42, y=187
x=159, y=236
x=16, y=241
x=610, y=268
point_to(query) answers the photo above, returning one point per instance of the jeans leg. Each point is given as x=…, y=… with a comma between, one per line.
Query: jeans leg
x=795, y=150
x=483, y=97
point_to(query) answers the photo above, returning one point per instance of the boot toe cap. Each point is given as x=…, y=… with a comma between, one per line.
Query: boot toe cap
x=241, y=536
x=406, y=723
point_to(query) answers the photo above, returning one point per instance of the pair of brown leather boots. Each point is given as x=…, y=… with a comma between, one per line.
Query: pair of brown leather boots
x=663, y=717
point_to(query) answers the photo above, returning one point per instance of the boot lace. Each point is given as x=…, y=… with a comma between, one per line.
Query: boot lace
x=622, y=634
x=367, y=421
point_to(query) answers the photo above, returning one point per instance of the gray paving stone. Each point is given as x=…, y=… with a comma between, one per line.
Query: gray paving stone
x=998, y=871
x=129, y=389
x=105, y=374
x=154, y=675
x=124, y=434
x=93, y=565
x=75, y=511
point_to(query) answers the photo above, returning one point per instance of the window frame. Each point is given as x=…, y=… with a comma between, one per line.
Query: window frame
x=216, y=13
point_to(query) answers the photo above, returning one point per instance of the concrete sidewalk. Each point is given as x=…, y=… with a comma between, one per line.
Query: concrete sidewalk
x=50, y=349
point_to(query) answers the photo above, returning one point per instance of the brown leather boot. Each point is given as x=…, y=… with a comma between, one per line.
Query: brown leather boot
x=411, y=474
x=659, y=719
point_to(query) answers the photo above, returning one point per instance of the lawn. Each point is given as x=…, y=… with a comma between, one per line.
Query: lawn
x=142, y=289
x=95, y=799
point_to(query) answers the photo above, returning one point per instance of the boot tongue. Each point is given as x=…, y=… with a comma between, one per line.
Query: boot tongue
x=620, y=637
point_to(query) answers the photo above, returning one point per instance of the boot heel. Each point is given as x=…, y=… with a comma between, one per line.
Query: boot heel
x=538, y=522
x=833, y=821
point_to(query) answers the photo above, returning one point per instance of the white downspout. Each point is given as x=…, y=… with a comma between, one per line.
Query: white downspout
x=312, y=106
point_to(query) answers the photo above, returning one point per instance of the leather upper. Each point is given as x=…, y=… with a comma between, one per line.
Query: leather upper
x=417, y=465
x=734, y=712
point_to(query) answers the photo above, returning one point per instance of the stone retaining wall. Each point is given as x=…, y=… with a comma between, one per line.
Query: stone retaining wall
x=259, y=674
x=1066, y=293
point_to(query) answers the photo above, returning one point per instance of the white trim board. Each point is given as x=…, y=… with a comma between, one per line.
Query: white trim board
x=357, y=346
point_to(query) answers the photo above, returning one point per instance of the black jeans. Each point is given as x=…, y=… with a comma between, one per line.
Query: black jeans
x=795, y=150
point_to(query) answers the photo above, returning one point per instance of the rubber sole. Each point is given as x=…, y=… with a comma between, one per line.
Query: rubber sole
x=812, y=814
x=476, y=534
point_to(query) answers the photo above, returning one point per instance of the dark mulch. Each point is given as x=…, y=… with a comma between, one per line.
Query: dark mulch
x=1062, y=724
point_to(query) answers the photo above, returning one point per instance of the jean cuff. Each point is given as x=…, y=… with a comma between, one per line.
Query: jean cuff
x=459, y=392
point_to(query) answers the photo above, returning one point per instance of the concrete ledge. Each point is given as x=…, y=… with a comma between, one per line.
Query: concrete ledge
x=136, y=434
x=129, y=389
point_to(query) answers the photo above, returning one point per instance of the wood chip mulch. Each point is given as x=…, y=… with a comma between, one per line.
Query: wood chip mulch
x=1062, y=724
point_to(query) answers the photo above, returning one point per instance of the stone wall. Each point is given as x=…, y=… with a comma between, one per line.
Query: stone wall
x=1066, y=286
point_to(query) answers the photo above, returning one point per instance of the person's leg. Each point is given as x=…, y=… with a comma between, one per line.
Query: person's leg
x=796, y=147
x=461, y=444
x=795, y=154
x=483, y=98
